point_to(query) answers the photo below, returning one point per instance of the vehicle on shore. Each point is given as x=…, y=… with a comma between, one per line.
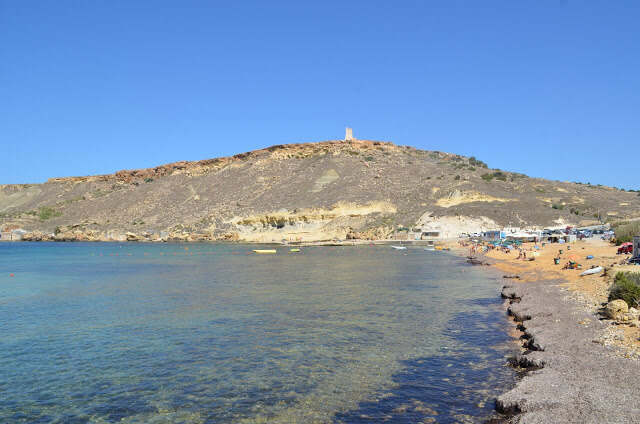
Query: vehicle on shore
x=625, y=248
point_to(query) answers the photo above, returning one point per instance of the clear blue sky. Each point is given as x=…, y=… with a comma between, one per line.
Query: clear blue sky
x=546, y=88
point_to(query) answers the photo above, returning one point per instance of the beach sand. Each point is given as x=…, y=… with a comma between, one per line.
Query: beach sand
x=581, y=367
x=591, y=290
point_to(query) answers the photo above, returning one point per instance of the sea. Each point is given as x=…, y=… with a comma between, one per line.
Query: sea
x=215, y=333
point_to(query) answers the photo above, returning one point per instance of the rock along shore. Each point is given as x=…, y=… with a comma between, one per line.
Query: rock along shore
x=573, y=375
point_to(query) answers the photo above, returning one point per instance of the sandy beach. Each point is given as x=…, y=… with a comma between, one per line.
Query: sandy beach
x=579, y=366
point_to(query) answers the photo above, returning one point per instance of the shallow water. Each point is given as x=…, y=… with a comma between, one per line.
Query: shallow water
x=212, y=333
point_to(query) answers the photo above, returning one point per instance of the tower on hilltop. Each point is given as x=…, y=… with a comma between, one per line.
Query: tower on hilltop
x=349, y=135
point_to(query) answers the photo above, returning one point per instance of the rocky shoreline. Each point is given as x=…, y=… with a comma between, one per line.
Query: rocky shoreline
x=571, y=373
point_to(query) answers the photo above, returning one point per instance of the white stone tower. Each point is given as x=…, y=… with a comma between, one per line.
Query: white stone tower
x=349, y=135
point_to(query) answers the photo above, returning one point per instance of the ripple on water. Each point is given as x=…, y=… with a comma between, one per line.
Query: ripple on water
x=328, y=335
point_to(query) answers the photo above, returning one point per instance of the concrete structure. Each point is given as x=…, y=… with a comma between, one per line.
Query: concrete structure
x=636, y=248
x=494, y=235
x=349, y=135
x=13, y=234
x=116, y=236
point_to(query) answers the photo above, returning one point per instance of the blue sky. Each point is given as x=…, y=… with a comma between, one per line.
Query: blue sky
x=547, y=88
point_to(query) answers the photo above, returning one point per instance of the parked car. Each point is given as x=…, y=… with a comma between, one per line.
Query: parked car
x=625, y=248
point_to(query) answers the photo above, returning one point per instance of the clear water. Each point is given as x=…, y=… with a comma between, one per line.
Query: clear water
x=213, y=333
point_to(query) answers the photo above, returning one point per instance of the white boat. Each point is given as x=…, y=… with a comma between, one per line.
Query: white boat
x=400, y=247
x=263, y=251
x=592, y=271
x=430, y=249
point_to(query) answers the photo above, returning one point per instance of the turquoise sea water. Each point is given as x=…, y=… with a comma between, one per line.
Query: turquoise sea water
x=213, y=333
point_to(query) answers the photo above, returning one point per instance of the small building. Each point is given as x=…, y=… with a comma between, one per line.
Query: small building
x=494, y=235
x=636, y=248
x=12, y=234
x=427, y=235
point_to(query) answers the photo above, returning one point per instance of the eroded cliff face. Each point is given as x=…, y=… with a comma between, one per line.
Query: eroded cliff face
x=341, y=221
x=313, y=191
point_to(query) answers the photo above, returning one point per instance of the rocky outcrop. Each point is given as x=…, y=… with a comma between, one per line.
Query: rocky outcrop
x=616, y=308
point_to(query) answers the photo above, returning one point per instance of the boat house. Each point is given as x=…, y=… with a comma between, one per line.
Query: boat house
x=12, y=234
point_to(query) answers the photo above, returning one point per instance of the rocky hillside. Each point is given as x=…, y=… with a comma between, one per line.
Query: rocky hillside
x=312, y=191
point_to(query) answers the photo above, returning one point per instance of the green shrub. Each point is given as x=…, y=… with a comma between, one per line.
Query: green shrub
x=457, y=177
x=148, y=180
x=625, y=230
x=627, y=288
x=475, y=162
x=499, y=175
x=47, y=212
x=623, y=239
x=558, y=206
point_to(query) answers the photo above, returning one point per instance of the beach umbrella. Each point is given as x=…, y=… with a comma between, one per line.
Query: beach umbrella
x=535, y=254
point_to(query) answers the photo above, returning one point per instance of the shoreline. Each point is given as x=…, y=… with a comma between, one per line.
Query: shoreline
x=576, y=366
x=447, y=243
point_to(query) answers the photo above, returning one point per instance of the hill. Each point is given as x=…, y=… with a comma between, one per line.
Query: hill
x=316, y=191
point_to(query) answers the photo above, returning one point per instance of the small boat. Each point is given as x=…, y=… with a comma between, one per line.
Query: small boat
x=294, y=250
x=400, y=247
x=430, y=249
x=264, y=250
x=591, y=271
